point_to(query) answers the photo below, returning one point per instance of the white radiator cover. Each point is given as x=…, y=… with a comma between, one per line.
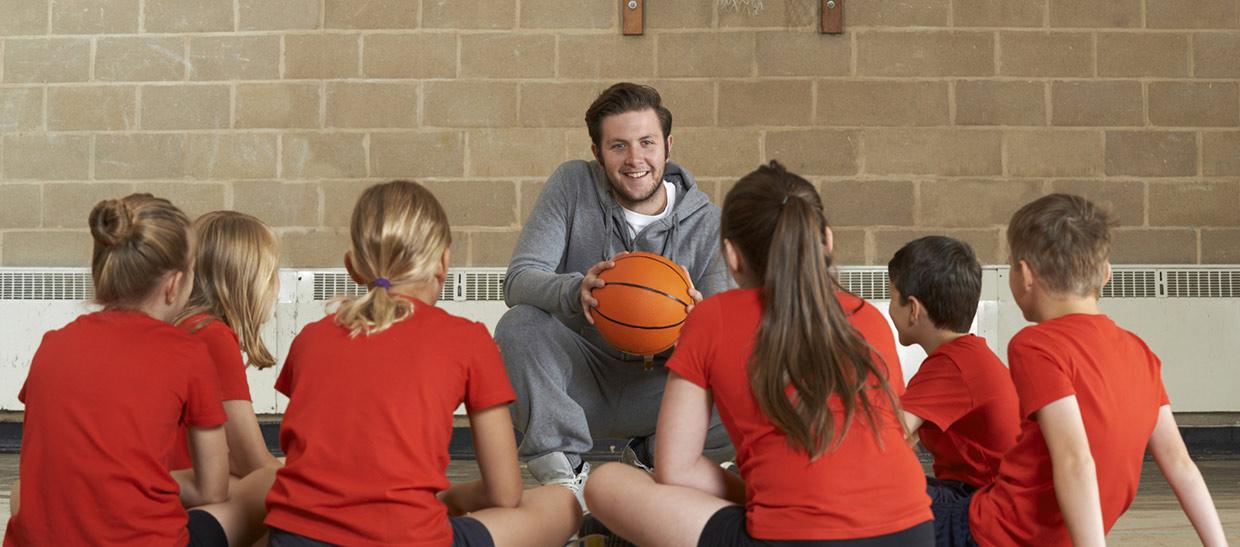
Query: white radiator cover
x=1189, y=315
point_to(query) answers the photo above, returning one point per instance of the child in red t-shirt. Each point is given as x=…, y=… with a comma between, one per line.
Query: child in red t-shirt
x=107, y=393
x=372, y=390
x=1092, y=400
x=961, y=403
x=235, y=285
x=799, y=371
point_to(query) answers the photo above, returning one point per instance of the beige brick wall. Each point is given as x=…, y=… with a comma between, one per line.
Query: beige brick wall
x=936, y=116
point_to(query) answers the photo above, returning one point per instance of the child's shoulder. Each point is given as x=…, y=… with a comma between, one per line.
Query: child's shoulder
x=1082, y=328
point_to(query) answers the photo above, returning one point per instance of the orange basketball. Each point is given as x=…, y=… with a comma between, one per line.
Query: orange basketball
x=644, y=303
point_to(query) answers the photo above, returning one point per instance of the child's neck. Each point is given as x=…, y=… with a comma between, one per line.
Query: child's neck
x=938, y=337
x=426, y=292
x=1055, y=306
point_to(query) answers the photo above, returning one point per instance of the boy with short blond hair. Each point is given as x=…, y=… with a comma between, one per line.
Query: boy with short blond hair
x=1091, y=400
x=961, y=403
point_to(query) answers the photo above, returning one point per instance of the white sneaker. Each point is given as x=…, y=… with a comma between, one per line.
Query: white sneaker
x=554, y=468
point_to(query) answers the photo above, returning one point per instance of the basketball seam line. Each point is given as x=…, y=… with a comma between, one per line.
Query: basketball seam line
x=645, y=288
x=661, y=263
x=623, y=324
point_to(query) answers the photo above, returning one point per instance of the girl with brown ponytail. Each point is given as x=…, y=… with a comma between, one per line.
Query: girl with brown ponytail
x=805, y=377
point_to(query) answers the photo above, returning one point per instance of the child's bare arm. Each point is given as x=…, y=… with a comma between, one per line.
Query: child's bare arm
x=247, y=451
x=209, y=452
x=496, y=450
x=1182, y=474
x=684, y=418
x=912, y=423
x=1076, y=479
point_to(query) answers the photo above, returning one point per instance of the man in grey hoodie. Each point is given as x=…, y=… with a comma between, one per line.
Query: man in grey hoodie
x=572, y=387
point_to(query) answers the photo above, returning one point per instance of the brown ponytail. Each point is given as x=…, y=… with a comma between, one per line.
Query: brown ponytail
x=775, y=221
x=398, y=234
x=138, y=239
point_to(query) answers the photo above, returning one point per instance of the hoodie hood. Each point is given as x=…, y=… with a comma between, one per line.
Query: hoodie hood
x=688, y=203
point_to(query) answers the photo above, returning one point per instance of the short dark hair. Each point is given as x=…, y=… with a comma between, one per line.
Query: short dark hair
x=944, y=275
x=626, y=97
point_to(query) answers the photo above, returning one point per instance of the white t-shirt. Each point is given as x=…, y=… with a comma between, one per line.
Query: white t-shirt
x=638, y=222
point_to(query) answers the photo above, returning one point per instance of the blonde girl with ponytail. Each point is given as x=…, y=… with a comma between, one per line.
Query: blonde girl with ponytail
x=107, y=394
x=805, y=377
x=372, y=389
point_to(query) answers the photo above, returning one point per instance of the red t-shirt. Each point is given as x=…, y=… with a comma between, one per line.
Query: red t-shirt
x=225, y=353
x=857, y=489
x=1117, y=383
x=104, y=399
x=968, y=402
x=368, y=425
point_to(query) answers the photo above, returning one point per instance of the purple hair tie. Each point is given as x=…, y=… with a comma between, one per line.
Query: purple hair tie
x=383, y=282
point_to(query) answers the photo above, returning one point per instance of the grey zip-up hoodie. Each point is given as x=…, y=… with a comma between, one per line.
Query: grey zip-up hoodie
x=576, y=224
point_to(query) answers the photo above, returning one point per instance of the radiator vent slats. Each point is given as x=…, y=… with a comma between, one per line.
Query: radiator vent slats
x=1132, y=284
x=487, y=284
x=1193, y=283
x=867, y=284
x=44, y=285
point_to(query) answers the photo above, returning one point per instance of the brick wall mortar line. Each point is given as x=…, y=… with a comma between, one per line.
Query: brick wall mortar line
x=94, y=48
x=951, y=102
x=996, y=59
x=236, y=15
x=1093, y=46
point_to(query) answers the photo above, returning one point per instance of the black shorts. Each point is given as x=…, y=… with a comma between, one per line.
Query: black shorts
x=204, y=530
x=950, y=502
x=466, y=532
x=727, y=529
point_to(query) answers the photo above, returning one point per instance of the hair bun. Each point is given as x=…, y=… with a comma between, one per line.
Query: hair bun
x=111, y=222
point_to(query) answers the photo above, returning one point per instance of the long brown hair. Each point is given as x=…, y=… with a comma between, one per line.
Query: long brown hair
x=774, y=220
x=398, y=234
x=138, y=239
x=235, y=278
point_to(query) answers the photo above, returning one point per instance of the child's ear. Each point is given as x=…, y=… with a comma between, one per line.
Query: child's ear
x=348, y=266
x=915, y=310
x=829, y=238
x=442, y=273
x=731, y=257
x=1028, y=277
x=172, y=287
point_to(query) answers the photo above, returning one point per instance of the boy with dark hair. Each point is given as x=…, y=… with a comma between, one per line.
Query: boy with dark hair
x=961, y=402
x=1091, y=401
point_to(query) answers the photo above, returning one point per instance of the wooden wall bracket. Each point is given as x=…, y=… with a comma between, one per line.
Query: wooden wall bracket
x=633, y=17
x=832, y=16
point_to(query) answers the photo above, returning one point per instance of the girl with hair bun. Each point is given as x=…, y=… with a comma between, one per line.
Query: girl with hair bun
x=805, y=377
x=372, y=389
x=107, y=394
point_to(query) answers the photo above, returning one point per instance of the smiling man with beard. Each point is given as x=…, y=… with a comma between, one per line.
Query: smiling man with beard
x=572, y=387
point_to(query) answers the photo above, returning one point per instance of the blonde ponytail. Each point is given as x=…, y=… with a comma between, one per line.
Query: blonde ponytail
x=398, y=235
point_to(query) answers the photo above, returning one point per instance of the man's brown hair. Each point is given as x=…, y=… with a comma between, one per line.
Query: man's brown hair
x=1065, y=240
x=626, y=97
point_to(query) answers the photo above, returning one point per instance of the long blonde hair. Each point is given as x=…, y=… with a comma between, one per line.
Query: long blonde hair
x=236, y=278
x=398, y=235
x=775, y=220
x=138, y=239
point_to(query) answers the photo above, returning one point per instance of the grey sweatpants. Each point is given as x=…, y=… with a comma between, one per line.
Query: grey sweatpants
x=570, y=391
